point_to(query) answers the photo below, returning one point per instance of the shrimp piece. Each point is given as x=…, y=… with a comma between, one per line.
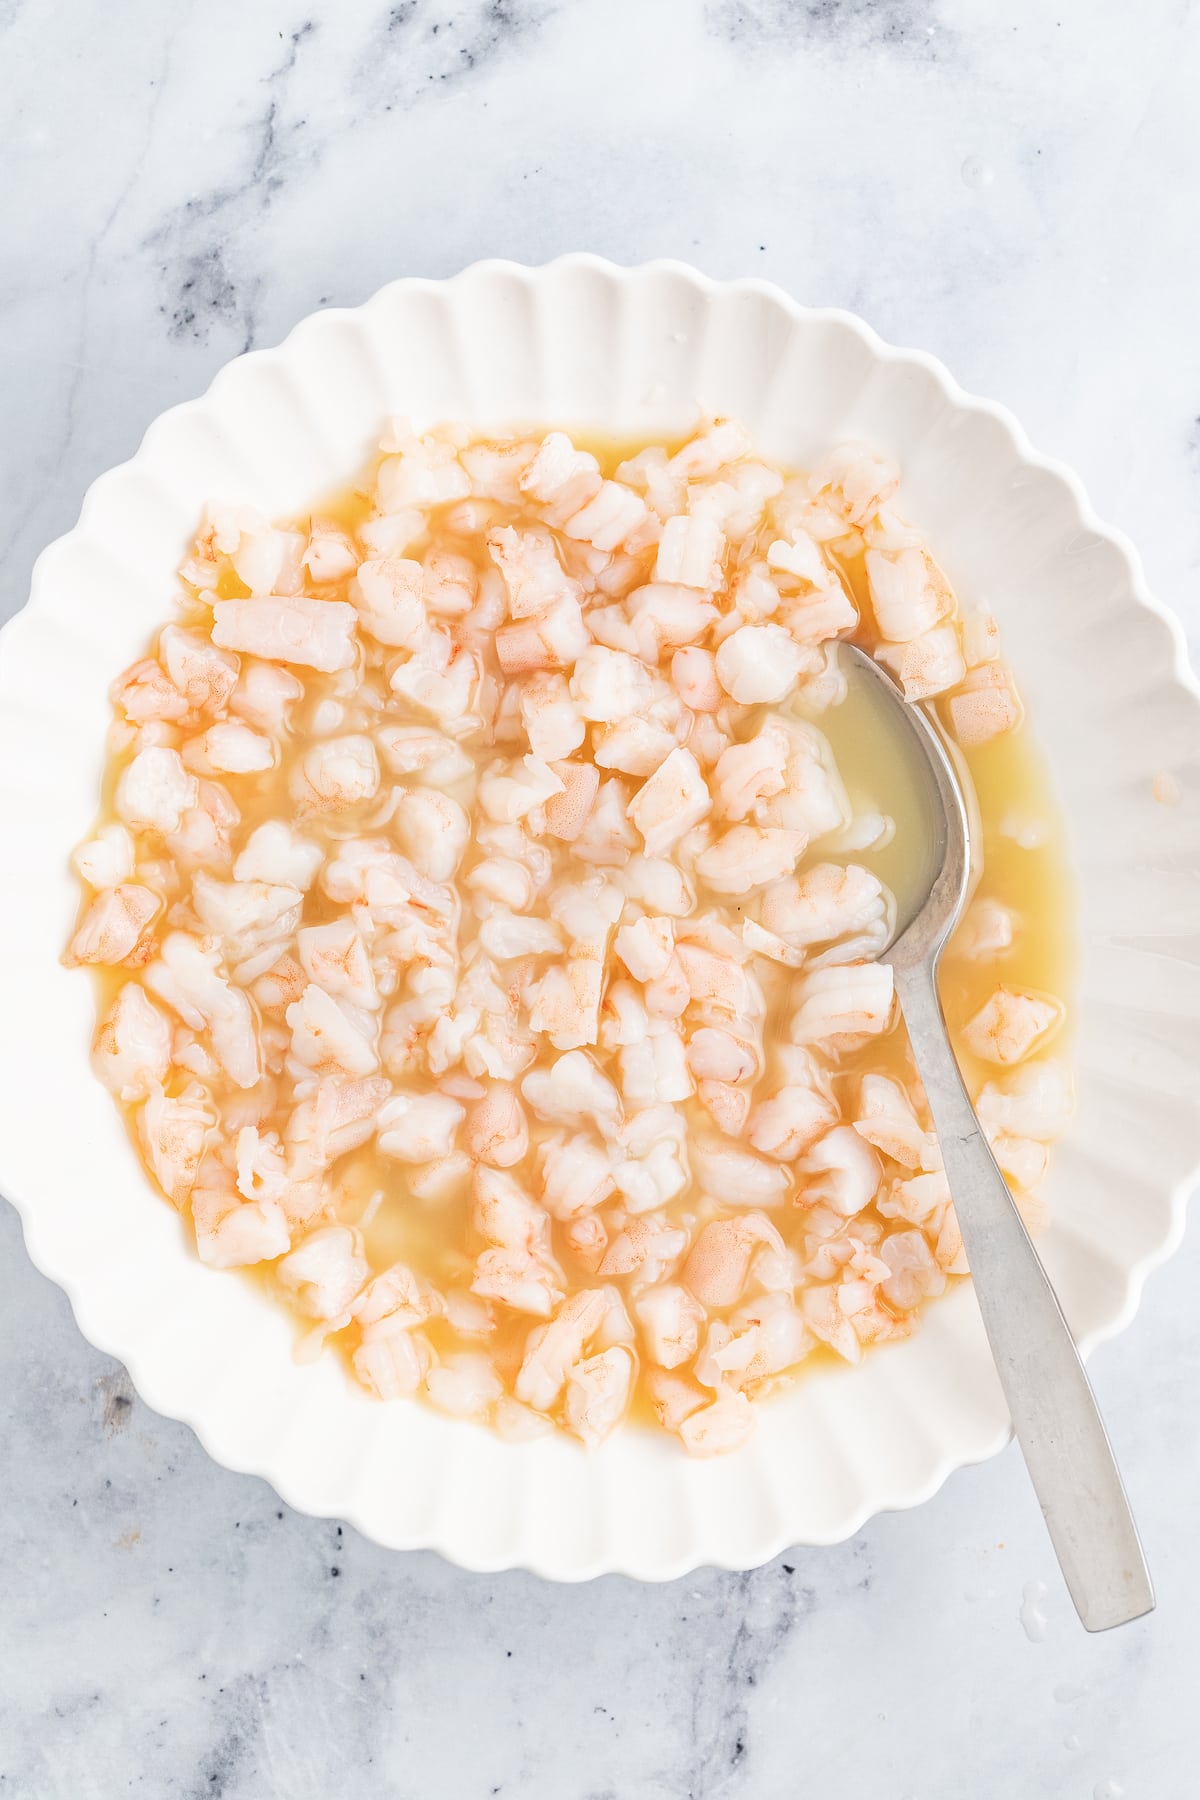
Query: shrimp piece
x=1023, y=1160
x=155, y=790
x=607, y=838
x=565, y=1005
x=1006, y=1027
x=614, y=516
x=1033, y=1102
x=634, y=746
x=735, y=1176
x=434, y=830
x=113, y=925
x=440, y=679
x=553, y=640
x=232, y=1233
x=759, y=663
x=497, y=1130
x=987, y=931
x=329, y=555
x=388, y=594
x=571, y=1091
x=576, y=1176
x=694, y=676
x=597, y=1395
x=670, y=1319
x=263, y=695
x=645, y=947
x=670, y=803
x=763, y=1337
x=107, y=860
x=335, y=1117
x=838, y=1005
x=228, y=748
x=830, y=902
x=750, y=772
x=908, y=595
x=645, y=1246
x=422, y=754
x=519, y=1280
x=336, y=773
x=856, y=481
x=822, y=1313
x=419, y=1128
x=840, y=1171
x=534, y=578
x=464, y=1385
x=665, y=614
x=325, y=1272
x=205, y=675
x=132, y=1050
x=275, y=855
x=509, y=796
x=496, y=469
x=660, y=886
x=985, y=706
x=673, y=1397
x=654, y=1069
x=560, y=478
x=327, y=1037
x=718, y=984
x=252, y=918
x=788, y=1122
x=718, y=1264
x=926, y=665
x=552, y=724
x=887, y=1120
x=727, y=1106
x=145, y=693
x=392, y=1361
x=173, y=1134
x=813, y=799
x=608, y=685
x=567, y=812
x=335, y=957
x=426, y=472
x=718, y=1428
x=747, y=857
x=690, y=553
x=715, y=1054
x=552, y=1350
x=316, y=634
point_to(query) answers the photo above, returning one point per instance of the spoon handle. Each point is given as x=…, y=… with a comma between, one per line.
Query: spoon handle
x=1054, y=1411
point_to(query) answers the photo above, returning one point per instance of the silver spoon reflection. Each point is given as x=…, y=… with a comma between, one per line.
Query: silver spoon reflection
x=1054, y=1411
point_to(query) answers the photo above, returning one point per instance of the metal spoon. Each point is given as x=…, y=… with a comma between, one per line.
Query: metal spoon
x=1054, y=1411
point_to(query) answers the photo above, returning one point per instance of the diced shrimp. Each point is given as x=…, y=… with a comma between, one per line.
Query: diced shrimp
x=324, y=1272
x=747, y=857
x=714, y=1430
x=107, y=860
x=1033, y=1102
x=464, y=1385
x=716, y=1054
x=264, y=693
x=534, y=577
x=548, y=713
x=552, y=1350
x=694, y=674
x=497, y=1131
x=571, y=1091
x=389, y=596
x=511, y=791
x=336, y=773
x=597, y=1394
x=576, y=1176
x=660, y=885
x=567, y=812
x=761, y=663
x=719, y=1263
x=645, y=1245
x=419, y=752
x=846, y=1002
x=749, y=772
x=425, y=473
x=146, y=692
x=1023, y=1160
x=518, y=1279
x=335, y=1117
x=825, y=1318
x=154, y=791
x=670, y=1319
x=113, y=924
x=737, y=1177
x=439, y=681
x=173, y=1133
x=391, y=1360
x=335, y=957
x=664, y=614
x=813, y=799
x=857, y=481
x=915, y=1275
x=829, y=902
x=788, y=1122
x=229, y=748
x=690, y=552
x=232, y=1233
x=987, y=931
x=419, y=1128
x=325, y=1035
x=762, y=1338
x=553, y=640
x=614, y=516
x=434, y=831
x=840, y=1171
x=133, y=1045
x=273, y=853
x=674, y=799
x=635, y=746
x=908, y=596
x=329, y=555
x=984, y=707
x=559, y=477
x=886, y=1119
x=1009, y=1024
x=726, y=1105
x=926, y=665
x=608, y=685
x=316, y=634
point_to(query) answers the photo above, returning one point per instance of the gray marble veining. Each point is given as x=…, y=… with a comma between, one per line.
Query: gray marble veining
x=1011, y=187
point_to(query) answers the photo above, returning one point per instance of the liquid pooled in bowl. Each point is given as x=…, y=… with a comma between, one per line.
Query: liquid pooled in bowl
x=494, y=870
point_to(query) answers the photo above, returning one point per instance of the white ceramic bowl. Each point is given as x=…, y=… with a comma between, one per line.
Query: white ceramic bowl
x=1104, y=672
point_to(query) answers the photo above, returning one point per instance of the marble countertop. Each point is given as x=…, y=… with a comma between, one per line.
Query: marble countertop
x=1012, y=187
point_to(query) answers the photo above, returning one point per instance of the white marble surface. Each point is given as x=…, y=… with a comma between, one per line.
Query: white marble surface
x=1010, y=186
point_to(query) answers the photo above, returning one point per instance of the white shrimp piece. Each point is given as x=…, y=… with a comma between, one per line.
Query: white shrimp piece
x=597, y=1395
x=572, y=1091
x=764, y=943
x=427, y=472
x=860, y=482
x=609, y=685
x=718, y=1428
x=204, y=675
x=316, y=634
x=718, y=984
x=567, y=812
x=264, y=693
x=635, y=746
x=610, y=518
x=690, y=552
x=985, y=706
x=464, y=1385
x=824, y=1317
x=915, y=1275
x=496, y=469
x=419, y=1128
x=232, y=1233
x=187, y=977
x=908, y=597
x=825, y=903
x=262, y=1172
x=839, y=1171
x=1033, y=1102
x=433, y=830
x=927, y=665
x=789, y=1121
x=439, y=680
x=329, y=554
x=336, y=773
x=749, y=772
x=886, y=1119
x=726, y=1105
x=987, y=931
x=647, y=1246
x=146, y=693
x=719, y=1262
x=1006, y=1027
x=645, y=947
x=268, y=561
x=576, y=1176
x=274, y=854
x=552, y=1350
x=324, y=1272
x=552, y=724
x=229, y=748
x=561, y=478
x=392, y=1361
x=248, y=915
x=326, y=1037
x=747, y=857
x=510, y=791
x=660, y=885
x=106, y=860
x=1023, y=1160
x=649, y=1152
x=155, y=790
x=607, y=838
x=694, y=676
x=505, y=935
x=844, y=1002
x=670, y=803
x=173, y=1134
x=737, y=1177
x=664, y=614
x=761, y=663
x=654, y=1071
x=553, y=640
x=505, y=1216
x=670, y=1320
x=113, y=925
x=919, y=1199
x=534, y=578
x=519, y=1280
x=422, y=754
x=497, y=1131
x=335, y=1117
x=763, y=1337
x=335, y=957
x=438, y=1183
x=132, y=1050
x=813, y=798
x=718, y=1055
x=389, y=597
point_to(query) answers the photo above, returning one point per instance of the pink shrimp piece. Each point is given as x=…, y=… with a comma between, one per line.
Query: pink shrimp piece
x=497, y=1131
x=597, y=1394
x=316, y=634
x=985, y=706
x=132, y=1050
x=719, y=1261
x=1008, y=1026
x=113, y=925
